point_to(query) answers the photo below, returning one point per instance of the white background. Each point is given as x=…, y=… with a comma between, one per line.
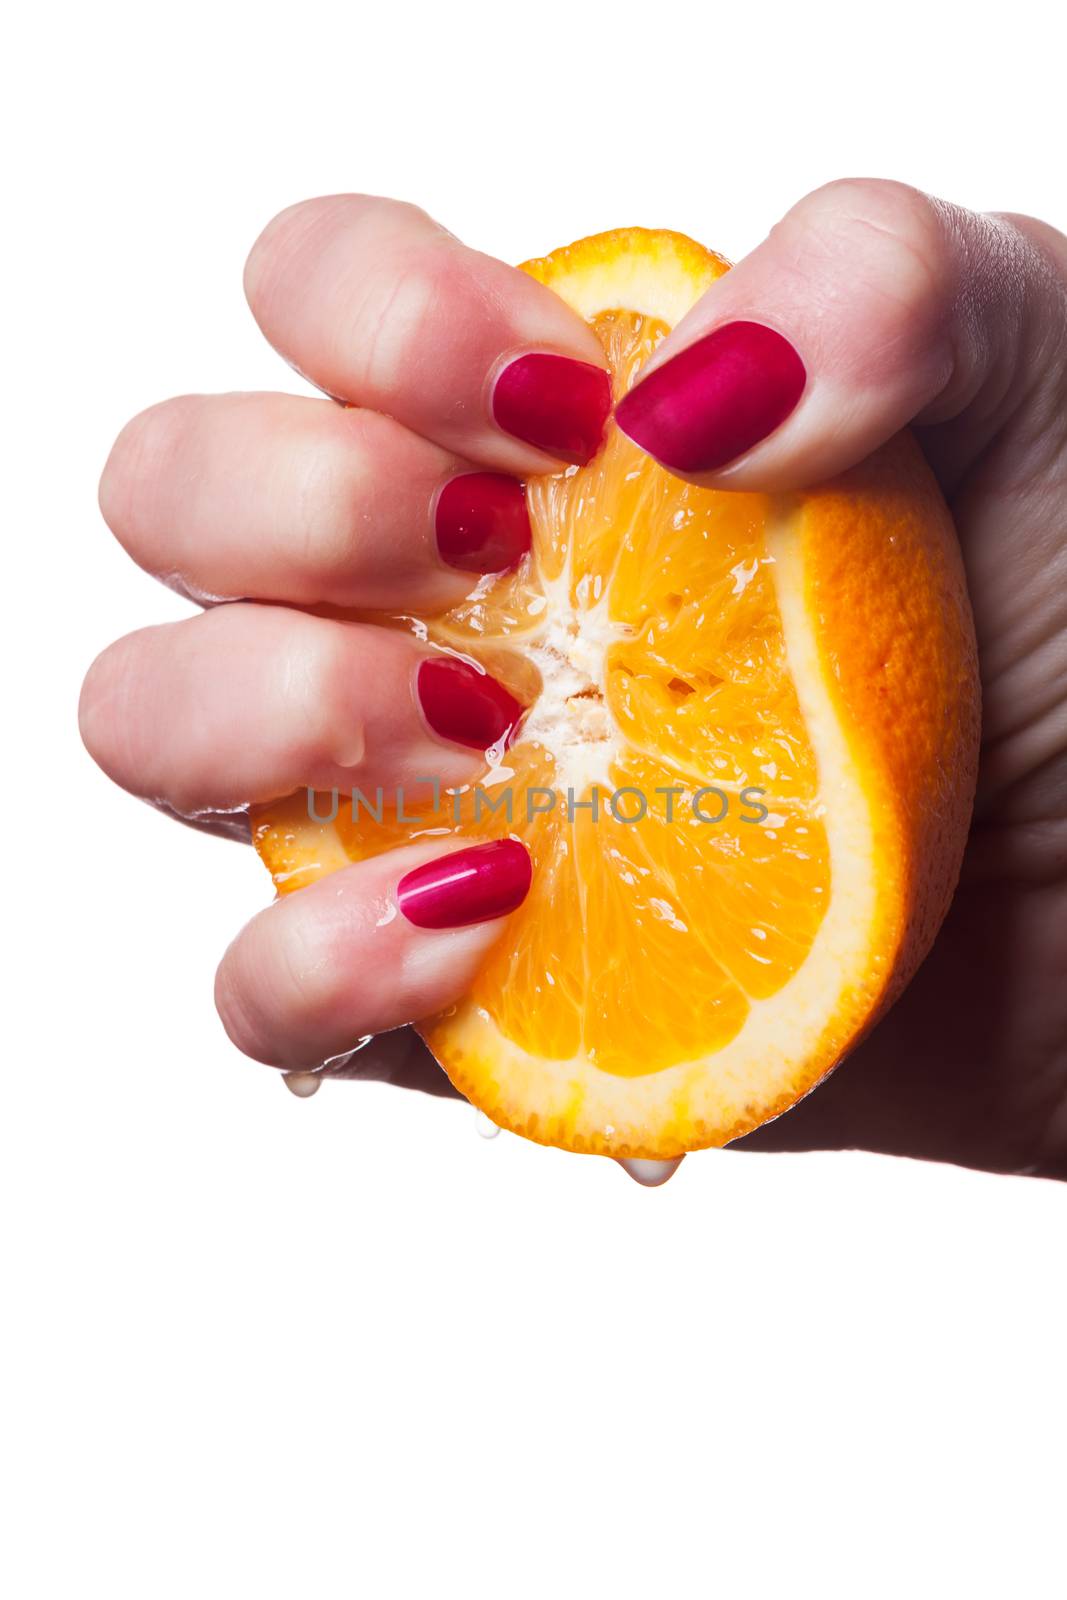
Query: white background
x=262, y=1347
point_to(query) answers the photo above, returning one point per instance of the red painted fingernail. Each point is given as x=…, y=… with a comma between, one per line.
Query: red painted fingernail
x=468, y=886
x=481, y=522
x=465, y=705
x=716, y=399
x=557, y=404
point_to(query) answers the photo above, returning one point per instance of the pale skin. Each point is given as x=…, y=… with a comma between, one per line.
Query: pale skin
x=906, y=311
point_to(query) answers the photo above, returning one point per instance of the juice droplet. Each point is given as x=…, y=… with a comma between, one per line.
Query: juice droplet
x=302, y=1084
x=650, y=1174
x=305, y=1084
x=487, y=1128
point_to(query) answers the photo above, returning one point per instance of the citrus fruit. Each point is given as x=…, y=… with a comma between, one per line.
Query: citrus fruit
x=744, y=774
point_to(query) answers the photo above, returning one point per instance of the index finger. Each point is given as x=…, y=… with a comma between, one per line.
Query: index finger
x=378, y=305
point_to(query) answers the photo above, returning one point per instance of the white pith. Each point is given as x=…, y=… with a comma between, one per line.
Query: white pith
x=570, y=717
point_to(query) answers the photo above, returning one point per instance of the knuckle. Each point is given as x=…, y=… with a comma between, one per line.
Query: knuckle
x=897, y=208
x=240, y=1011
x=284, y=233
x=320, y=530
x=277, y=984
x=326, y=687
x=904, y=265
x=334, y=494
x=394, y=317
x=433, y=311
x=301, y=232
x=140, y=457
x=891, y=231
x=308, y=977
x=104, y=718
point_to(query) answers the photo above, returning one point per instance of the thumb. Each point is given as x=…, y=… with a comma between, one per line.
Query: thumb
x=869, y=306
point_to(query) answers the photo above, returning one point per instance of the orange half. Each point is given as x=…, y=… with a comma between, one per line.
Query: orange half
x=744, y=777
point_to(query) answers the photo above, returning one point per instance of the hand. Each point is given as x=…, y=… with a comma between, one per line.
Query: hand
x=901, y=309
x=468, y=375
x=906, y=310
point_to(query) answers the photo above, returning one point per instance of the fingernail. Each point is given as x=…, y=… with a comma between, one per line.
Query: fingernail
x=465, y=705
x=481, y=522
x=469, y=886
x=716, y=399
x=555, y=403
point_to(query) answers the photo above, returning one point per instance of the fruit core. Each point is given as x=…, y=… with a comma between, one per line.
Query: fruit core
x=570, y=717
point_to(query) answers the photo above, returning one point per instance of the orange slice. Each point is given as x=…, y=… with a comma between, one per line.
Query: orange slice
x=772, y=704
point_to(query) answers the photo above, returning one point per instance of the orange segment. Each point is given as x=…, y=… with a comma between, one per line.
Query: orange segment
x=744, y=777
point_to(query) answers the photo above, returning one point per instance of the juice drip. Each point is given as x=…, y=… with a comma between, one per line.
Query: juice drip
x=650, y=1174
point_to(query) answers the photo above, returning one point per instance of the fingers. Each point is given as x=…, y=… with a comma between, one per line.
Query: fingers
x=245, y=703
x=869, y=305
x=378, y=305
x=373, y=946
x=268, y=496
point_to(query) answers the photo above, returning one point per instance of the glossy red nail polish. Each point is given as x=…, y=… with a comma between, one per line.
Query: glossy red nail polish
x=465, y=705
x=716, y=399
x=468, y=886
x=481, y=522
x=555, y=403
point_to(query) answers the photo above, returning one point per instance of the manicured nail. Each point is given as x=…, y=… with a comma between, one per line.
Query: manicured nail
x=557, y=404
x=481, y=522
x=465, y=705
x=716, y=399
x=469, y=886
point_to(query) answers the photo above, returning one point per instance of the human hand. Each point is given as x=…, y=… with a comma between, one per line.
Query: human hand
x=900, y=308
